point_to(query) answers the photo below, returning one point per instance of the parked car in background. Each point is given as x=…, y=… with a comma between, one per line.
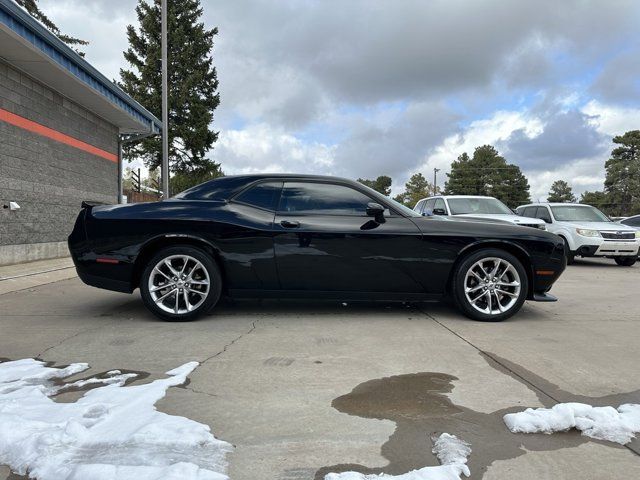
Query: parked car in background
x=472, y=206
x=633, y=222
x=307, y=236
x=586, y=231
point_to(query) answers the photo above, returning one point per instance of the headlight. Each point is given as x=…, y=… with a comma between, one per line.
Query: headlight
x=637, y=233
x=588, y=233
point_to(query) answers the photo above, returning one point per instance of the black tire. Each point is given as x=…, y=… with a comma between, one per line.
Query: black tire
x=571, y=256
x=626, y=261
x=459, y=278
x=202, y=306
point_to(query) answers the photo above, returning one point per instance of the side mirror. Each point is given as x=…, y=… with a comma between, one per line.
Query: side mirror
x=376, y=210
x=439, y=211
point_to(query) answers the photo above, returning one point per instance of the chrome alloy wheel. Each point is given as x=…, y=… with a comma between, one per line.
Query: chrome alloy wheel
x=492, y=286
x=179, y=284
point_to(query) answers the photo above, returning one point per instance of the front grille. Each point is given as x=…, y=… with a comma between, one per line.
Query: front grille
x=618, y=235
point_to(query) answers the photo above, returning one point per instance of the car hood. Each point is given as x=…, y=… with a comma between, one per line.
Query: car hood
x=505, y=217
x=609, y=226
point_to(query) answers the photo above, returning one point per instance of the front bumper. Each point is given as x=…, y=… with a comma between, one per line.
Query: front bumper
x=609, y=249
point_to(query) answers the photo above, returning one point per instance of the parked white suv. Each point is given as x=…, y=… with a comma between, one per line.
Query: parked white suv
x=586, y=231
x=472, y=206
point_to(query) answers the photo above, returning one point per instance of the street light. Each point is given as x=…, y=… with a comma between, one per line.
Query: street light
x=435, y=181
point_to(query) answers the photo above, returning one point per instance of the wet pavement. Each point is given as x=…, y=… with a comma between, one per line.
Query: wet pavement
x=303, y=388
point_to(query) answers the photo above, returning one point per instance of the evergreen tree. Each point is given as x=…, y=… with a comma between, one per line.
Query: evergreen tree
x=415, y=189
x=381, y=184
x=599, y=200
x=561, y=192
x=183, y=180
x=622, y=184
x=488, y=173
x=192, y=84
x=33, y=8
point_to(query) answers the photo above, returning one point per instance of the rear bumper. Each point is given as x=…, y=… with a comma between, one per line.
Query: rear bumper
x=103, y=282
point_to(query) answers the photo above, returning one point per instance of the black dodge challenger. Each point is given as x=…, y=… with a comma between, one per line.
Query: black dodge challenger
x=307, y=237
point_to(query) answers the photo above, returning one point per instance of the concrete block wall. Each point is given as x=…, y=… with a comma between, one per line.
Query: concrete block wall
x=48, y=178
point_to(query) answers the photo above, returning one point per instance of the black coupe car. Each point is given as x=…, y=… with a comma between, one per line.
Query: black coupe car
x=310, y=237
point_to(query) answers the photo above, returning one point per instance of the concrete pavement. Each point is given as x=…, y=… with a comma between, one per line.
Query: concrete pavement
x=395, y=374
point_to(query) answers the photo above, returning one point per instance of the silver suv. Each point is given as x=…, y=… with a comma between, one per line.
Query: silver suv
x=475, y=207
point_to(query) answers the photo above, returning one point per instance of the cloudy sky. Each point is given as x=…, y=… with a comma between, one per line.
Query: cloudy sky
x=361, y=88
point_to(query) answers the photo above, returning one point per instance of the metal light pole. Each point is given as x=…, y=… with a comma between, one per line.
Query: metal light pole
x=435, y=181
x=165, y=106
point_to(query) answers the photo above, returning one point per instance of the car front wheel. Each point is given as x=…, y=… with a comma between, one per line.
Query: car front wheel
x=180, y=283
x=490, y=285
x=626, y=261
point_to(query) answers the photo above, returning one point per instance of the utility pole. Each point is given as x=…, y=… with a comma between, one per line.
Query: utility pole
x=165, y=106
x=435, y=180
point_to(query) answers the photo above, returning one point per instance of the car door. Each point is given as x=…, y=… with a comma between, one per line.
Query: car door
x=324, y=241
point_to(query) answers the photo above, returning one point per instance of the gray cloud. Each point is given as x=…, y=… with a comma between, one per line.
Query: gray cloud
x=567, y=136
x=619, y=81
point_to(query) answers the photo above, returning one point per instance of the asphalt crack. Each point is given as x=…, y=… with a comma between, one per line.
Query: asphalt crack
x=228, y=345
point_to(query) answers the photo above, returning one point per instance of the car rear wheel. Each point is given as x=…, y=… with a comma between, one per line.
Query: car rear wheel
x=626, y=261
x=180, y=283
x=490, y=285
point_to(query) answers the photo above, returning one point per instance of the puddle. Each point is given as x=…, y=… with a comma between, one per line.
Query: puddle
x=419, y=405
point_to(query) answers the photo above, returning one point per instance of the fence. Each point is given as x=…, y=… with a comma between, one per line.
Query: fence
x=134, y=196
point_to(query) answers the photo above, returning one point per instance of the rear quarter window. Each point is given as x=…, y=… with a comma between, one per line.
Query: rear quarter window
x=264, y=195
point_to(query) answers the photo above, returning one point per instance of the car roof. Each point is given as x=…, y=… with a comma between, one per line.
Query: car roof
x=456, y=196
x=223, y=188
x=554, y=204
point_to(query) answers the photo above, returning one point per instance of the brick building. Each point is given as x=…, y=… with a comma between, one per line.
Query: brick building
x=61, y=123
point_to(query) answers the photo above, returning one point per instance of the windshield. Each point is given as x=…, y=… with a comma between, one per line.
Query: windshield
x=576, y=213
x=460, y=206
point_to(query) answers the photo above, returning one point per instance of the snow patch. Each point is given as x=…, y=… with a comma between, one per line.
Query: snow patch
x=603, y=423
x=113, y=432
x=452, y=453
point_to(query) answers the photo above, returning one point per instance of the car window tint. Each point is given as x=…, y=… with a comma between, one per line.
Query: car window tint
x=430, y=203
x=300, y=197
x=263, y=195
x=419, y=205
x=439, y=203
x=633, y=221
x=543, y=214
x=529, y=212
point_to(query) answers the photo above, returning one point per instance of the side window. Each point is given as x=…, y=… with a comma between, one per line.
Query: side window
x=429, y=204
x=543, y=214
x=322, y=198
x=439, y=204
x=263, y=195
x=418, y=207
x=529, y=212
x=519, y=211
x=632, y=222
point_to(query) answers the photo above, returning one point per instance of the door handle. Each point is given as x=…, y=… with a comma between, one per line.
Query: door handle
x=290, y=224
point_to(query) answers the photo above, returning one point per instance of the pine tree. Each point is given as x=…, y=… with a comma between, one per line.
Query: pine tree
x=561, y=192
x=488, y=173
x=599, y=200
x=415, y=189
x=33, y=8
x=381, y=184
x=622, y=184
x=192, y=83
